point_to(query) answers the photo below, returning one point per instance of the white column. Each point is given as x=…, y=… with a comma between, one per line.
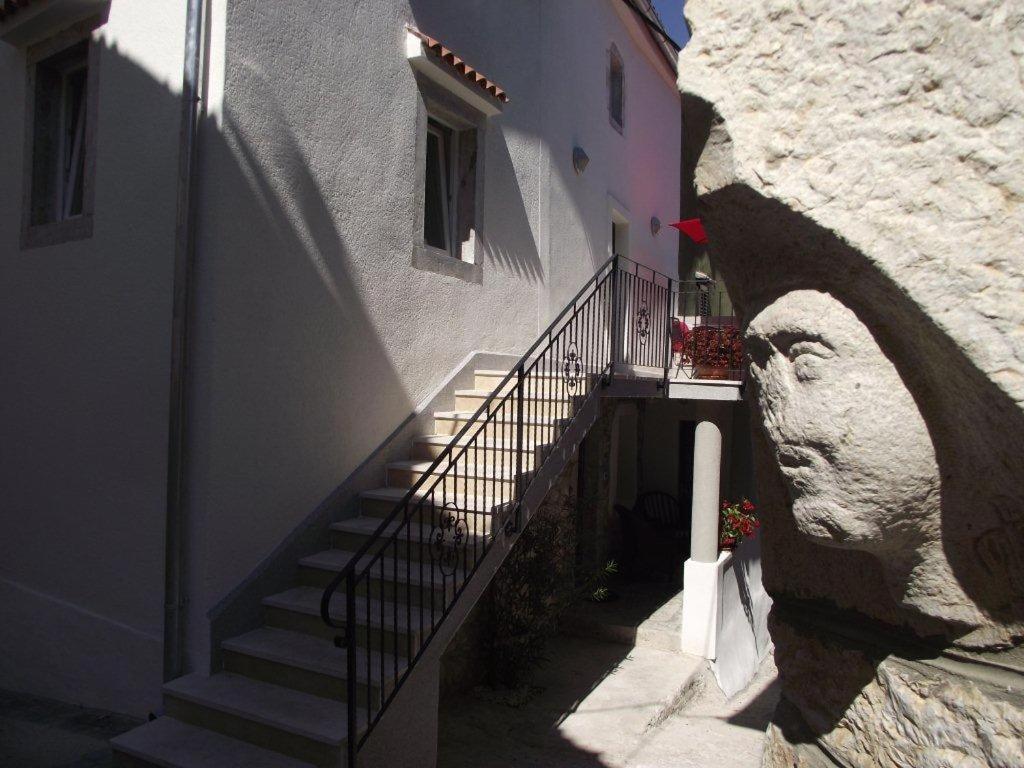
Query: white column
x=702, y=572
x=707, y=463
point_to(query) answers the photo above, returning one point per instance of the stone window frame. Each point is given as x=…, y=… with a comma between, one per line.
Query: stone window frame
x=440, y=104
x=80, y=227
x=614, y=56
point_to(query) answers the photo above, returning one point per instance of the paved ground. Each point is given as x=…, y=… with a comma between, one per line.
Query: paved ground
x=711, y=732
x=645, y=615
x=600, y=705
x=592, y=705
x=39, y=733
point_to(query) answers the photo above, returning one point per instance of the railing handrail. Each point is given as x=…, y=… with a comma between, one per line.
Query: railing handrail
x=350, y=567
x=585, y=337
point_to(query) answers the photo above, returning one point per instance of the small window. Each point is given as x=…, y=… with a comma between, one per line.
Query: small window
x=616, y=89
x=449, y=200
x=437, y=214
x=58, y=136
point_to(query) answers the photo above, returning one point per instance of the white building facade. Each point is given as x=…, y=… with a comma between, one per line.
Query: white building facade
x=359, y=227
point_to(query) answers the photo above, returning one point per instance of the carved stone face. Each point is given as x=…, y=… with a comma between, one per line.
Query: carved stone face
x=847, y=435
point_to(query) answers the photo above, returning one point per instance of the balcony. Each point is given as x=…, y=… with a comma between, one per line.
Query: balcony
x=684, y=334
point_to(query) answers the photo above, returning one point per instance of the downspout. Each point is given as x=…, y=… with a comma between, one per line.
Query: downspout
x=175, y=596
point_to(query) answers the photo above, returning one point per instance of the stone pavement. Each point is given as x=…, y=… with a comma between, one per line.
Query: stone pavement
x=711, y=732
x=601, y=705
x=40, y=733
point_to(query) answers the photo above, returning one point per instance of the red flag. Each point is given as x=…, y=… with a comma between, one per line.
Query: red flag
x=694, y=229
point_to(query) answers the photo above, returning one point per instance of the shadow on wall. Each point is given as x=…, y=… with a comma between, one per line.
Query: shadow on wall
x=767, y=251
x=507, y=234
x=282, y=350
x=283, y=344
x=508, y=224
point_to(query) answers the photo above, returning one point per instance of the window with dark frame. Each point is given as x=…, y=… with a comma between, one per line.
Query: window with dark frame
x=438, y=208
x=616, y=89
x=58, y=136
x=449, y=201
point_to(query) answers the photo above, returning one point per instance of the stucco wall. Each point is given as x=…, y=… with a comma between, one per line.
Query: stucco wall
x=636, y=171
x=84, y=345
x=315, y=334
x=659, y=463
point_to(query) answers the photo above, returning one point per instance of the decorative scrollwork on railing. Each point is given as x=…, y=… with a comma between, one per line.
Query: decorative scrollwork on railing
x=643, y=322
x=448, y=539
x=572, y=368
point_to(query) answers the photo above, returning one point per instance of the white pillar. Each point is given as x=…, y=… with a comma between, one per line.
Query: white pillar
x=702, y=572
x=707, y=464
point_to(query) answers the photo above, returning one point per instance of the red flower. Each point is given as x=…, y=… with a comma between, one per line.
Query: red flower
x=747, y=506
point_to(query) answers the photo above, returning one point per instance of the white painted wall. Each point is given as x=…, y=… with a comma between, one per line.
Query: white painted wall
x=742, y=639
x=636, y=171
x=310, y=212
x=84, y=340
x=314, y=335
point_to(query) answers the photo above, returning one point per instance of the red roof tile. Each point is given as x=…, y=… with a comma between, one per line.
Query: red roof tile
x=461, y=67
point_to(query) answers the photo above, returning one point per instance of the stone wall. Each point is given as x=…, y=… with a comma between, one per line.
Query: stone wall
x=858, y=169
x=504, y=635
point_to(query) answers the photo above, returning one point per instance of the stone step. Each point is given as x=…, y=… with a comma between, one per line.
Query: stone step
x=306, y=663
x=297, y=724
x=494, y=480
x=170, y=743
x=537, y=383
x=502, y=452
x=534, y=429
x=538, y=400
x=397, y=632
x=381, y=502
x=413, y=541
x=401, y=580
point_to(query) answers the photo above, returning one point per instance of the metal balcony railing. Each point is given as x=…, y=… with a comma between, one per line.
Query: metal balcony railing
x=403, y=582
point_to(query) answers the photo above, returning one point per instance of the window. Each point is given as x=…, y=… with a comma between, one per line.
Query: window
x=449, y=199
x=438, y=208
x=58, y=200
x=616, y=89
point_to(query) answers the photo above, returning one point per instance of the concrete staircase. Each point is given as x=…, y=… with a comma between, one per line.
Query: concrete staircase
x=280, y=699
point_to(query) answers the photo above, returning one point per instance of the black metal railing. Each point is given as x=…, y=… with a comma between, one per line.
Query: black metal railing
x=404, y=581
x=705, y=337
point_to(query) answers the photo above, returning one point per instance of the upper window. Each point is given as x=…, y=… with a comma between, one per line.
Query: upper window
x=438, y=208
x=450, y=148
x=616, y=89
x=449, y=199
x=58, y=135
x=58, y=167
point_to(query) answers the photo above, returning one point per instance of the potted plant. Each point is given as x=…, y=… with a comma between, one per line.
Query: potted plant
x=738, y=522
x=715, y=351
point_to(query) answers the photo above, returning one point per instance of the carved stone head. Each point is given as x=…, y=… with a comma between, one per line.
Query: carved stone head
x=847, y=435
x=853, y=448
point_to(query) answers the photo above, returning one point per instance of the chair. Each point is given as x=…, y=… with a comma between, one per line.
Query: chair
x=678, y=331
x=656, y=531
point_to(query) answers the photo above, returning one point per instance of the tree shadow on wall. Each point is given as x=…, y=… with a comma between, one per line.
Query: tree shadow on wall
x=838, y=597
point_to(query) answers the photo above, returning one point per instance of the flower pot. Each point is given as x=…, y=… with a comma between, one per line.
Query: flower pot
x=728, y=545
x=712, y=372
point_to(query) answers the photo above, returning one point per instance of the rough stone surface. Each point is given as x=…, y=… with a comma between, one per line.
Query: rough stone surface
x=853, y=449
x=858, y=169
x=841, y=154
x=898, y=124
x=928, y=713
